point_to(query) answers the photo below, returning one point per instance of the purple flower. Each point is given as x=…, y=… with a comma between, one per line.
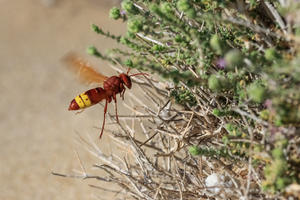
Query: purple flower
x=123, y=12
x=221, y=63
x=268, y=103
x=169, y=43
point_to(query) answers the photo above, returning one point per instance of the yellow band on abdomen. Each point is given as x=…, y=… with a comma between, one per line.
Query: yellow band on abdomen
x=83, y=100
x=86, y=99
x=79, y=102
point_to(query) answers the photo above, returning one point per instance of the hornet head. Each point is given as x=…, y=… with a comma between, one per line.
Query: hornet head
x=126, y=80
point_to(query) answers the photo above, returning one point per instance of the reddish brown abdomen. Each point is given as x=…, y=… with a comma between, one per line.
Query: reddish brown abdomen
x=73, y=105
x=88, y=98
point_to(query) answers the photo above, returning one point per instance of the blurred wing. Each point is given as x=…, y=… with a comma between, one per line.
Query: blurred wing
x=86, y=73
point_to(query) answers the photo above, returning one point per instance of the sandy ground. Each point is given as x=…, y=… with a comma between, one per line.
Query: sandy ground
x=38, y=133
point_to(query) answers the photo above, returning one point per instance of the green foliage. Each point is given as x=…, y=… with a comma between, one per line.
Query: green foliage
x=106, y=34
x=277, y=172
x=265, y=114
x=234, y=140
x=114, y=13
x=210, y=152
x=217, y=112
x=233, y=130
x=129, y=7
x=257, y=92
x=214, y=83
x=183, y=96
x=232, y=59
x=222, y=113
x=271, y=54
x=217, y=44
x=185, y=6
x=135, y=25
x=218, y=83
x=166, y=8
x=194, y=150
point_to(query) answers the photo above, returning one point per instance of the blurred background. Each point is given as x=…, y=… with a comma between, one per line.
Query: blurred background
x=38, y=133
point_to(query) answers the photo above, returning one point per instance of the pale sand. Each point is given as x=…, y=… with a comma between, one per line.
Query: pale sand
x=38, y=133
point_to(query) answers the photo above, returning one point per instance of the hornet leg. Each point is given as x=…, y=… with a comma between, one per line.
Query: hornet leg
x=122, y=94
x=116, y=109
x=122, y=90
x=105, y=109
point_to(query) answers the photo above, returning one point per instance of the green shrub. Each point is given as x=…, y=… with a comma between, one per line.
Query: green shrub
x=236, y=63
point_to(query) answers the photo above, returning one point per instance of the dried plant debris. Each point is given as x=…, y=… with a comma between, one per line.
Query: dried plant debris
x=182, y=154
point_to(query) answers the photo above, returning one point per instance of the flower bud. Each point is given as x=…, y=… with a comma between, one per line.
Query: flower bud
x=114, y=13
x=256, y=92
x=234, y=58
